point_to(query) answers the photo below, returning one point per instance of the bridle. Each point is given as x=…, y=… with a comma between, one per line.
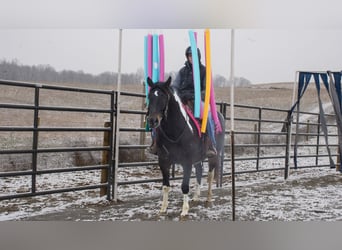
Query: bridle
x=166, y=108
x=168, y=92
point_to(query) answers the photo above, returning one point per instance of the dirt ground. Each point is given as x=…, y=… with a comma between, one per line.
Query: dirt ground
x=303, y=197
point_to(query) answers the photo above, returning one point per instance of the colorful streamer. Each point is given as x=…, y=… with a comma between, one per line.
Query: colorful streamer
x=149, y=55
x=145, y=66
x=155, y=55
x=154, y=59
x=207, y=80
x=196, y=73
x=161, y=58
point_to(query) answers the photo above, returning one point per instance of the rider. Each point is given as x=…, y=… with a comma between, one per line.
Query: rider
x=184, y=84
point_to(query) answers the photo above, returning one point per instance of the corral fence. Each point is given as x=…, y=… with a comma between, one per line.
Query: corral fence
x=25, y=156
x=263, y=141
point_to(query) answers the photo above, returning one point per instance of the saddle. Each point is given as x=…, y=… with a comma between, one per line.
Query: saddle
x=209, y=148
x=192, y=117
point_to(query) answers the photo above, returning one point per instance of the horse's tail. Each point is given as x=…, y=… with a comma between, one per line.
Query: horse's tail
x=220, y=135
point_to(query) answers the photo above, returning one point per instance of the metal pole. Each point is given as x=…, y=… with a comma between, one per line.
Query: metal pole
x=117, y=130
x=233, y=174
x=36, y=121
x=288, y=148
x=294, y=88
x=232, y=81
x=232, y=121
x=223, y=109
x=332, y=82
x=110, y=179
x=258, y=139
x=318, y=134
x=289, y=131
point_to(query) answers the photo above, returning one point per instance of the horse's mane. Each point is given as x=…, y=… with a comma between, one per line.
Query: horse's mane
x=181, y=107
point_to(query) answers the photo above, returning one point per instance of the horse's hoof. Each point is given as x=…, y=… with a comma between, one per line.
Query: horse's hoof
x=184, y=217
x=184, y=213
x=163, y=212
x=196, y=198
x=195, y=202
x=208, y=204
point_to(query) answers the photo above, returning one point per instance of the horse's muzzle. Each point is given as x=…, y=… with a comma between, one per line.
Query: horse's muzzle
x=154, y=121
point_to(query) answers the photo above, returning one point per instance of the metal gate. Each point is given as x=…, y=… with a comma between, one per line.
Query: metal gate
x=34, y=103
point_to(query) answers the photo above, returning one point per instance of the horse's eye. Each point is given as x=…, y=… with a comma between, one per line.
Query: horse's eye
x=156, y=93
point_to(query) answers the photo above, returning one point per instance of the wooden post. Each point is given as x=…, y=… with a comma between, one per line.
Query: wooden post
x=142, y=125
x=104, y=172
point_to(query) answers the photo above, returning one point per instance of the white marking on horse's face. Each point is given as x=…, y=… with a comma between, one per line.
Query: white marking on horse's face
x=155, y=93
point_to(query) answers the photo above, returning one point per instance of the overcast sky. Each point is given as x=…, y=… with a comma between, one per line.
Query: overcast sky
x=261, y=55
x=270, y=43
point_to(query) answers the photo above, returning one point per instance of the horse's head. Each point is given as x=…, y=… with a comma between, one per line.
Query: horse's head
x=158, y=96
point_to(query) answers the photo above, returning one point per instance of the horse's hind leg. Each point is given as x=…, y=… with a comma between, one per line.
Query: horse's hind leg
x=213, y=164
x=210, y=186
x=185, y=189
x=198, y=170
x=165, y=202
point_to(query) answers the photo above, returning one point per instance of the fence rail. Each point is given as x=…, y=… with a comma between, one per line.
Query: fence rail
x=35, y=129
x=263, y=136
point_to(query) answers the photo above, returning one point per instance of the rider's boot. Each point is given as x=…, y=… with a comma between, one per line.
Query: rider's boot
x=153, y=147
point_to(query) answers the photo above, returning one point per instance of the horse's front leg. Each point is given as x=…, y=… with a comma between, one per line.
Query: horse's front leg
x=165, y=202
x=199, y=171
x=210, y=186
x=185, y=189
x=165, y=169
x=213, y=164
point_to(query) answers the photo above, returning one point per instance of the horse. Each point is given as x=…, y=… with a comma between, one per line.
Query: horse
x=178, y=141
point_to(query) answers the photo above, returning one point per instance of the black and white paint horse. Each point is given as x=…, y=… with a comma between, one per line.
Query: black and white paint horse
x=178, y=141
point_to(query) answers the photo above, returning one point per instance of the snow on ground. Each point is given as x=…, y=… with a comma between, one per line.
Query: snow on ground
x=313, y=194
x=308, y=195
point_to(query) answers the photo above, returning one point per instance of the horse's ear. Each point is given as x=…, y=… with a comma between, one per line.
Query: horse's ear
x=149, y=82
x=168, y=81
